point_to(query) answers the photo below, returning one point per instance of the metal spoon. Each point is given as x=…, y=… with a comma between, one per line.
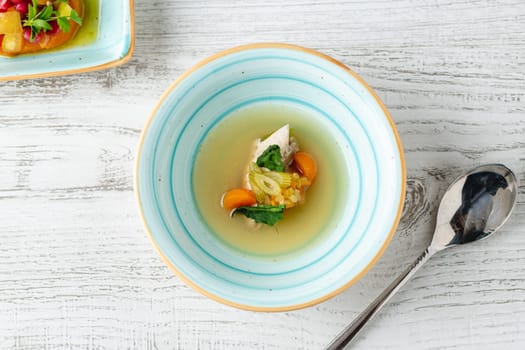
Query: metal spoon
x=474, y=206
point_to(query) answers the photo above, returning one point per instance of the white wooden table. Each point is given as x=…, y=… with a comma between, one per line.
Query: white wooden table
x=78, y=272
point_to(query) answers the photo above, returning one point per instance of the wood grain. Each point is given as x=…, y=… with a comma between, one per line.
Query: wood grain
x=76, y=268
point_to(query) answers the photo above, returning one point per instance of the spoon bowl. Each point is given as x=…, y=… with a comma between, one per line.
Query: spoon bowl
x=475, y=206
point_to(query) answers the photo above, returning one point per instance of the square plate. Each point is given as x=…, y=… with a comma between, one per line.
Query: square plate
x=112, y=46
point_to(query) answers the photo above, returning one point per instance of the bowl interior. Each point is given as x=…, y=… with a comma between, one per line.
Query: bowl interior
x=344, y=108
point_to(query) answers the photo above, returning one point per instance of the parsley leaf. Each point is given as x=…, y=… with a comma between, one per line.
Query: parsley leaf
x=31, y=10
x=75, y=17
x=40, y=20
x=63, y=24
x=271, y=159
x=266, y=214
x=41, y=24
x=47, y=12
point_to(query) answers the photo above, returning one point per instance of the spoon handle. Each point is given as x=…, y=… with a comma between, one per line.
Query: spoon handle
x=347, y=335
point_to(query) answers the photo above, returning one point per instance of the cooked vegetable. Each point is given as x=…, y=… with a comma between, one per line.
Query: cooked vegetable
x=10, y=22
x=272, y=185
x=259, y=194
x=283, y=179
x=12, y=42
x=266, y=214
x=271, y=159
x=305, y=164
x=264, y=183
x=238, y=197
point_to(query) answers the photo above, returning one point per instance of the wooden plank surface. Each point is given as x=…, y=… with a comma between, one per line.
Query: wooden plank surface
x=78, y=272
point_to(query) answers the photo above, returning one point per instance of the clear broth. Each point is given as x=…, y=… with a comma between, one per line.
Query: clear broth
x=219, y=166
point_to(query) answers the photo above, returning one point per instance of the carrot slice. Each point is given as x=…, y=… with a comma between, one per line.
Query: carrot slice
x=306, y=165
x=238, y=197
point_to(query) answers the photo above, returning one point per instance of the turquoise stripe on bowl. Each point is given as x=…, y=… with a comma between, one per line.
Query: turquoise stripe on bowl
x=334, y=97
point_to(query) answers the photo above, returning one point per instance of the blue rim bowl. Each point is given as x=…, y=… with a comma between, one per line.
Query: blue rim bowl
x=354, y=116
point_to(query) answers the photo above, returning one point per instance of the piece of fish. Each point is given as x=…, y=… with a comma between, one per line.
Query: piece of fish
x=281, y=138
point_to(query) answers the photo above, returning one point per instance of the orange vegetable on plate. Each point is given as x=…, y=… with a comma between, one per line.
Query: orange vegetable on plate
x=306, y=164
x=238, y=197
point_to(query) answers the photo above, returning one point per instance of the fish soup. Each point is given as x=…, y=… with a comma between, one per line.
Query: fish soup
x=221, y=162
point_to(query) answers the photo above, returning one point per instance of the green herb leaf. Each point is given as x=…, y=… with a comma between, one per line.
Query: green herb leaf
x=31, y=10
x=271, y=159
x=63, y=24
x=266, y=214
x=39, y=20
x=41, y=24
x=75, y=17
x=46, y=12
